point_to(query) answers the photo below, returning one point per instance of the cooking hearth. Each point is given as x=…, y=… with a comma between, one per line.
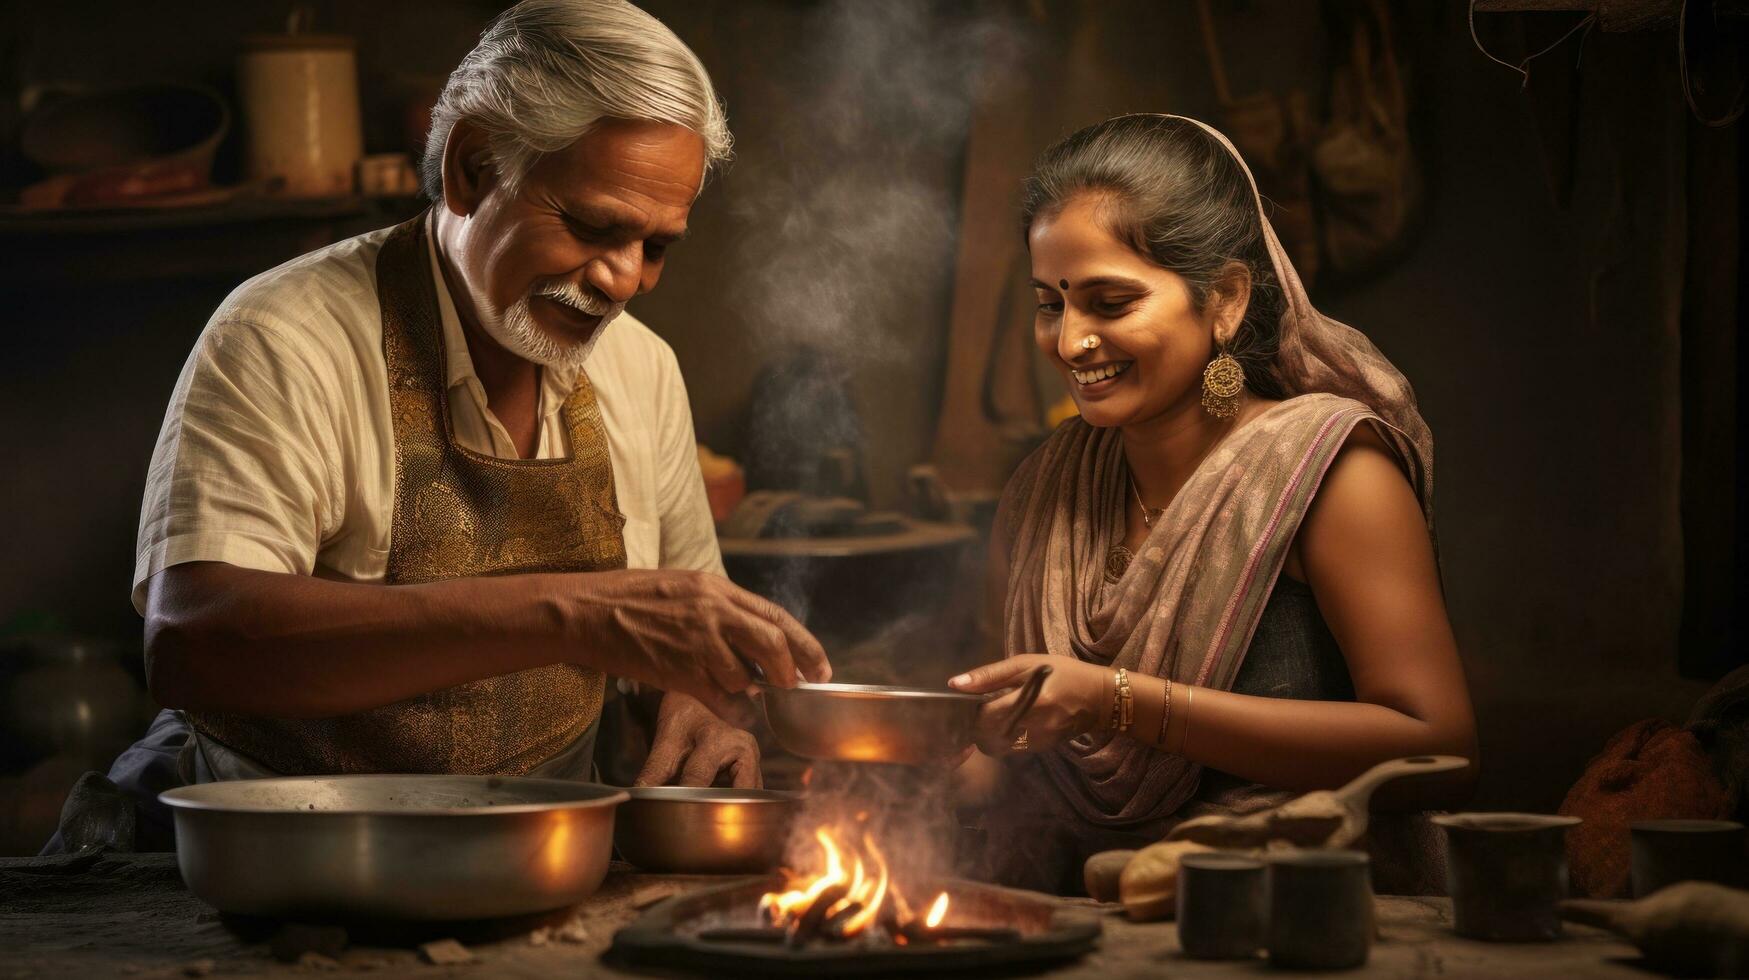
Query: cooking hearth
x=727, y=929
x=867, y=888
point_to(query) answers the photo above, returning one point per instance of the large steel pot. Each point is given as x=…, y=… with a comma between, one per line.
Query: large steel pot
x=701, y=830
x=394, y=847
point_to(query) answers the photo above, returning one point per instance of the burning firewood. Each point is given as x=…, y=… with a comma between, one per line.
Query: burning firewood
x=838, y=922
x=807, y=925
x=852, y=892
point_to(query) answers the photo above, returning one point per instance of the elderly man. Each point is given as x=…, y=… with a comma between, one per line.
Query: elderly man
x=418, y=492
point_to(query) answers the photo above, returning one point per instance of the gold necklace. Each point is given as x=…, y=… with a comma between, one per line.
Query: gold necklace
x=1152, y=514
x=1149, y=514
x=1117, y=560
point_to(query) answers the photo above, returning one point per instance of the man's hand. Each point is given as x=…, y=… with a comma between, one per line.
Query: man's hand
x=690, y=632
x=698, y=745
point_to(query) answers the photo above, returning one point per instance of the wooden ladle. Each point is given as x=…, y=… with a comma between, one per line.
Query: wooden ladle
x=1146, y=881
x=1322, y=818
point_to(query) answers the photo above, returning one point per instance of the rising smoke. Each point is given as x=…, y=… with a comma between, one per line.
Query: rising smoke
x=848, y=205
x=853, y=211
x=847, y=208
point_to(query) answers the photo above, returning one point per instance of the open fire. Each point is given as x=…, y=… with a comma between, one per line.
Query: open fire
x=839, y=902
x=869, y=890
x=853, y=894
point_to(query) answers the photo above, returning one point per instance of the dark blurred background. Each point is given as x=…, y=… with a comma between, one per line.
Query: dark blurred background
x=1554, y=265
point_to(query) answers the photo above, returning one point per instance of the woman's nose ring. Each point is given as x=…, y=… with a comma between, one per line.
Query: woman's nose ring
x=1090, y=342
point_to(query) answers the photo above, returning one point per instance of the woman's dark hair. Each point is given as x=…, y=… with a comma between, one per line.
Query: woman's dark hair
x=1179, y=198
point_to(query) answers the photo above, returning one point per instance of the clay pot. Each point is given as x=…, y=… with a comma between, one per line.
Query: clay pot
x=1222, y=906
x=1506, y=871
x=118, y=145
x=66, y=696
x=1668, y=851
x=1320, y=910
x=300, y=104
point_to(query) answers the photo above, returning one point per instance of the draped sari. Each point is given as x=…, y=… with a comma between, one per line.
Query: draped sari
x=1191, y=598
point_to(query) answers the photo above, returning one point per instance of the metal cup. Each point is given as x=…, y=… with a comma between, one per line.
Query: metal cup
x=1320, y=910
x=1506, y=871
x=1668, y=851
x=1221, y=906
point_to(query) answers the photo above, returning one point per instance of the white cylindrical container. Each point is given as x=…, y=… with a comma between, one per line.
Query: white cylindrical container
x=300, y=107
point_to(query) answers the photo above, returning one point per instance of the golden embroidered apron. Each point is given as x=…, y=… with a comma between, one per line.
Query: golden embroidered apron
x=458, y=513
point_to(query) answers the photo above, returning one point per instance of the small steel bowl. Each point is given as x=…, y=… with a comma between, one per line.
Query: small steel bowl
x=866, y=723
x=403, y=847
x=691, y=830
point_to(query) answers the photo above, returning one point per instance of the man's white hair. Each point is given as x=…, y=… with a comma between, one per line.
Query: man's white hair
x=547, y=71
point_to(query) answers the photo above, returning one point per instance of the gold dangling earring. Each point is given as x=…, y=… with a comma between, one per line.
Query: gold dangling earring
x=1222, y=383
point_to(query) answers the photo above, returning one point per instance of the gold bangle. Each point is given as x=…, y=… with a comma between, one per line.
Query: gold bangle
x=1166, y=717
x=1123, y=707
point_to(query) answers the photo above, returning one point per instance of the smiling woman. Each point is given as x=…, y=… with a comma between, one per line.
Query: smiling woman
x=1163, y=253
x=1227, y=558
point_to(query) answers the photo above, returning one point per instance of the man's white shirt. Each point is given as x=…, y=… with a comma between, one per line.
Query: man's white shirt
x=277, y=451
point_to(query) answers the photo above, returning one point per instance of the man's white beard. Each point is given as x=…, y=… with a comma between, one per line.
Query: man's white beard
x=517, y=332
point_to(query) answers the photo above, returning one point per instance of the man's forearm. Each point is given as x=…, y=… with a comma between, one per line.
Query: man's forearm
x=223, y=638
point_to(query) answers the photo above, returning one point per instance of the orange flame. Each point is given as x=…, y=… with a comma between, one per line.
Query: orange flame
x=872, y=897
x=780, y=907
x=937, y=912
x=867, y=885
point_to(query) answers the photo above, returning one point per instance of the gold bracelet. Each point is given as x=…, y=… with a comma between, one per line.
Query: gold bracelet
x=1166, y=717
x=1123, y=706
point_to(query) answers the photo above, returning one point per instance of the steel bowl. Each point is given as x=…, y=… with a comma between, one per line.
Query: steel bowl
x=393, y=847
x=866, y=723
x=691, y=830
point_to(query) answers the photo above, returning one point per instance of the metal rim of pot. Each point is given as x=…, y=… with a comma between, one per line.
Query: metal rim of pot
x=583, y=796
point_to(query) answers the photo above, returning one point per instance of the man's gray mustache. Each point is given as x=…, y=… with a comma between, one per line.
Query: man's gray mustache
x=577, y=299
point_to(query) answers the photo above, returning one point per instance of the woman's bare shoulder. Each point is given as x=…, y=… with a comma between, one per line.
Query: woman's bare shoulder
x=1364, y=498
x=1364, y=507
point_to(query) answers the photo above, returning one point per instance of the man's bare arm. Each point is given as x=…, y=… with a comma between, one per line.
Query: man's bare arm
x=224, y=638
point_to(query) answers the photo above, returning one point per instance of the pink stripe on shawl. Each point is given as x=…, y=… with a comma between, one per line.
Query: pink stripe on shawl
x=1254, y=559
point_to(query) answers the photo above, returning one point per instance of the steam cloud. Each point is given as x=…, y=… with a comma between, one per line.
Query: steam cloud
x=846, y=221
x=849, y=207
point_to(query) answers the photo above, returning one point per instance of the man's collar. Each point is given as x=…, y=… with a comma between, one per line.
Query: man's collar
x=556, y=383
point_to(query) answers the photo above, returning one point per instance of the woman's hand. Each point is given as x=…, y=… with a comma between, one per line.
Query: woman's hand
x=697, y=745
x=1075, y=699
